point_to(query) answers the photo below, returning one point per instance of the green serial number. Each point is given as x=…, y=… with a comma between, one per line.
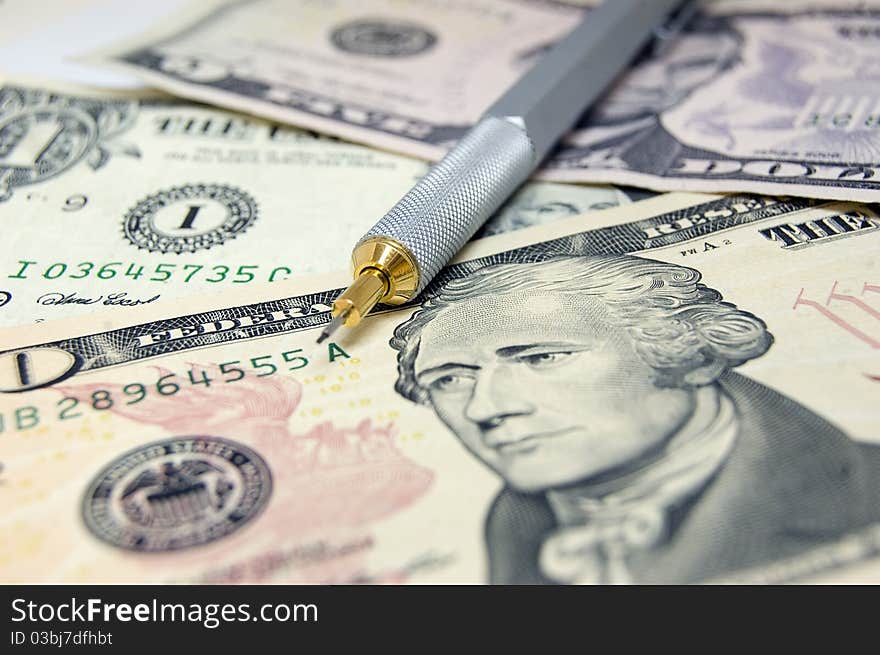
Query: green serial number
x=170, y=384
x=161, y=273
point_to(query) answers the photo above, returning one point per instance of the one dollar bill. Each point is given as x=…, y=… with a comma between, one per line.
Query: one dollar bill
x=767, y=97
x=682, y=390
x=120, y=200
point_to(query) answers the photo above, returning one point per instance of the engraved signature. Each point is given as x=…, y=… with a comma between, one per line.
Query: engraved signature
x=119, y=298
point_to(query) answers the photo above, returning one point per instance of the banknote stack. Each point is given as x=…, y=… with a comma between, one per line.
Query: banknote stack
x=659, y=362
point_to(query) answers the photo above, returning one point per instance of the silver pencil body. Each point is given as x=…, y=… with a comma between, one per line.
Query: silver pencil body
x=444, y=209
x=397, y=258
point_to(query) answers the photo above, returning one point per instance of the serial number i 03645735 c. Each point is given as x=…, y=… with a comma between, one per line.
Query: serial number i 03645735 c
x=164, y=272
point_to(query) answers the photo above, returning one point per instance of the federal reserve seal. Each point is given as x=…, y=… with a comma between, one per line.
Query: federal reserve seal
x=177, y=493
x=189, y=218
x=382, y=38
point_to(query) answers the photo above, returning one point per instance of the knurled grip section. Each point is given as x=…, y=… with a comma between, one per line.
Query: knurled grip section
x=444, y=209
